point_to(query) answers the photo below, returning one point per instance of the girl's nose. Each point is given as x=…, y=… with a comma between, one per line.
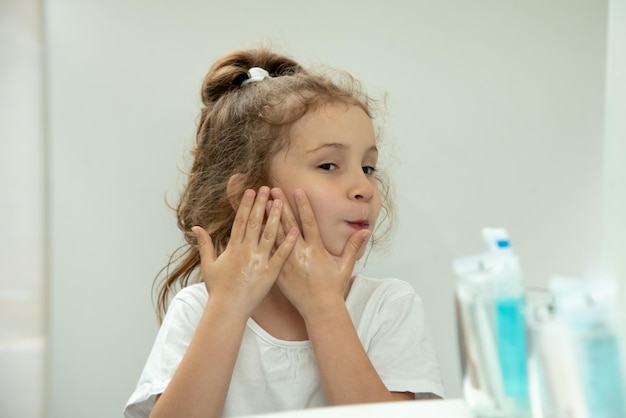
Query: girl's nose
x=362, y=187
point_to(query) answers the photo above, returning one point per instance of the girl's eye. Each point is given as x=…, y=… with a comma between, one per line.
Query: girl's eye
x=328, y=166
x=369, y=170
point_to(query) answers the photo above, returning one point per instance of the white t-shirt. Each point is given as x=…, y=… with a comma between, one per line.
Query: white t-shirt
x=276, y=375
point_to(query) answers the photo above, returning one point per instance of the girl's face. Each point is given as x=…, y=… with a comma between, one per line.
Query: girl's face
x=332, y=156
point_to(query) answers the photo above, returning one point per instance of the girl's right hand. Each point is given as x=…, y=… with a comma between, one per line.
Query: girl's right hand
x=244, y=273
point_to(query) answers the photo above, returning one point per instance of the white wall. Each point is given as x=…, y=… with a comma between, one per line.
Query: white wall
x=22, y=254
x=614, y=221
x=496, y=119
x=21, y=170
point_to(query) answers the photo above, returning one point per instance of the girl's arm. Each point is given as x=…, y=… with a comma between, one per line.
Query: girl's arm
x=316, y=283
x=236, y=281
x=200, y=384
x=345, y=368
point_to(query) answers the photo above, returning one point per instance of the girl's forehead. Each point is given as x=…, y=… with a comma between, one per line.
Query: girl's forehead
x=334, y=123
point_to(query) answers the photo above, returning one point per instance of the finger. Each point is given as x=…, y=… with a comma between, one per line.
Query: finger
x=238, y=230
x=282, y=252
x=287, y=219
x=272, y=226
x=257, y=213
x=280, y=232
x=352, y=248
x=310, y=231
x=205, y=245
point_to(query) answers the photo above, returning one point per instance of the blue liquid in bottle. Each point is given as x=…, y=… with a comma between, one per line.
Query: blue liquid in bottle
x=512, y=349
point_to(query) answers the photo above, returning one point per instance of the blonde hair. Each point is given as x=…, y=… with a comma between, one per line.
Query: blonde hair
x=240, y=129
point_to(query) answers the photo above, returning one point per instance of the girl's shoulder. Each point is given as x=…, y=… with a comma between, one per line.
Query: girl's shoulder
x=387, y=288
x=369, y=294
x=375, y=303
x=195, y=296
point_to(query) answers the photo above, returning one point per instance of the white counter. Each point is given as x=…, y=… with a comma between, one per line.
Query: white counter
x=453, y=408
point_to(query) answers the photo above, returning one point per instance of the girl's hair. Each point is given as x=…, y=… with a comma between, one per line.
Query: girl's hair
x=240, y=129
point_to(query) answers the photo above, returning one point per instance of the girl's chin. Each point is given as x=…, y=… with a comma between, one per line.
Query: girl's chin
x=337, y=254
x=338, y=246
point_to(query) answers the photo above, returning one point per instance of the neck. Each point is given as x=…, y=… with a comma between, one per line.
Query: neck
x=277, y=315
x=276, y=297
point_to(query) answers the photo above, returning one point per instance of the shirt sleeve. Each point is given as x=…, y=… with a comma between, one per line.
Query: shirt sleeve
x=169, y=347
x=401, y=348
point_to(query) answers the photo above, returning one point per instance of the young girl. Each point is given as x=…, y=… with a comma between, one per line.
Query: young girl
x=281, y=199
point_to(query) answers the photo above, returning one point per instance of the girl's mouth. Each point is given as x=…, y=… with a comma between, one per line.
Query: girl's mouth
x=360, y=224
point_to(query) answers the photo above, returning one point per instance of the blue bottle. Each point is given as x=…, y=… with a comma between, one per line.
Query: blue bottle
x=510, y=322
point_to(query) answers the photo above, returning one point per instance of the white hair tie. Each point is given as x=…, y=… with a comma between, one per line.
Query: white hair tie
x=255, y=74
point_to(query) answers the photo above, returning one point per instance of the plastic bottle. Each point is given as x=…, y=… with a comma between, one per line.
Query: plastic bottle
x=588, y=310
x=492, y=328
x=510, y=323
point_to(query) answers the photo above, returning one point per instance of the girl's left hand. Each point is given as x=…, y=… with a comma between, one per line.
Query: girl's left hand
x=312, y=278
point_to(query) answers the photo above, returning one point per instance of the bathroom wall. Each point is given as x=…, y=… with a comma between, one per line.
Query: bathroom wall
x=22, y=211
x=614, y=221
x=496, y=118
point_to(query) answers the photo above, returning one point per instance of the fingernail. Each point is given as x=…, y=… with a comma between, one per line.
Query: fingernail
x=264, y=191
x=275, y=192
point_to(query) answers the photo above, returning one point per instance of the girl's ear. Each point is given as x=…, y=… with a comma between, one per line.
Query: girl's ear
x=234, y=189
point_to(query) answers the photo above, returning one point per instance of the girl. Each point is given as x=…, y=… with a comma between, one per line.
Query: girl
x=281, y=198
